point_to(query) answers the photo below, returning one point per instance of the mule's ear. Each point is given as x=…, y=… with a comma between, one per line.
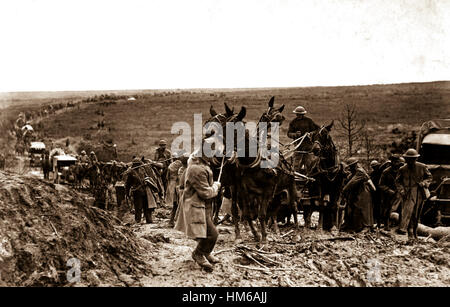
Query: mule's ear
x=271, y=101
x=330, y=126
x=228, y=110
x=212, y=111
x=241, y=114
x=281, y=108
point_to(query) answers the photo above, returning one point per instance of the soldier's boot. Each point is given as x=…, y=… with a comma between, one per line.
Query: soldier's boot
x=201, y=260
x=172, y=215
x=148, y=216
x=212, y=259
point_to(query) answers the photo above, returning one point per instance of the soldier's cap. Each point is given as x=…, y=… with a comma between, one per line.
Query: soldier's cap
x=162, y=142
x=352, y=161
x=83, y=152
x=411, y=153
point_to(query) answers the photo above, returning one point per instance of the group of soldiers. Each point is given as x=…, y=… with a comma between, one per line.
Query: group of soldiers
x=398, y=185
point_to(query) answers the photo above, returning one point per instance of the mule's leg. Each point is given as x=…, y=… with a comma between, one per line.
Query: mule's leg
x=321, y=212
x=236, y=219
x=253, y=230
x=307, y=212
x=275, y=225
x=262, y=224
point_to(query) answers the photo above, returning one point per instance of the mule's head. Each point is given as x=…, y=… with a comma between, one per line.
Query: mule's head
x=218, y=122
x=273, y=114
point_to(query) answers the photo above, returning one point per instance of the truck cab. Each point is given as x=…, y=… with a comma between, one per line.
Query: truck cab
x=433, y=146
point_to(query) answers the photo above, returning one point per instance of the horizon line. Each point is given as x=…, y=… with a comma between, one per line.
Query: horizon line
x=221, y=88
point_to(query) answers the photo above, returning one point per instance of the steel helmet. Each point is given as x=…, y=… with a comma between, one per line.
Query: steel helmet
x=352, y=161
x=374, y=163
x=136, y=162
x=411, y=153
x=299, y=110
x=162, y=142
x=92, y=153
x=83, y=152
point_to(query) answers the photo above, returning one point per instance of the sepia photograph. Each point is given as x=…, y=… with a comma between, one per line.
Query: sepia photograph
x=224, y=148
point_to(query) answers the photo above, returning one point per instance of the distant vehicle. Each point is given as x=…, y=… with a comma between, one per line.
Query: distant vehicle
x=36, y=150
x=61, y=165
x=433, y=146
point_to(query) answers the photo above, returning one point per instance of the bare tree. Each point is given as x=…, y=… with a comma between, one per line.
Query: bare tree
x=350, y=125
x=370, y=148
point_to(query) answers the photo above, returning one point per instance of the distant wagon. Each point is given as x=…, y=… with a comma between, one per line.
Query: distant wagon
x=434, y=148
x=36, y=150
x=61, y=165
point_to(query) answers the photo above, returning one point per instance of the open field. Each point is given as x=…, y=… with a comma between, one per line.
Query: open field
x=136, y=126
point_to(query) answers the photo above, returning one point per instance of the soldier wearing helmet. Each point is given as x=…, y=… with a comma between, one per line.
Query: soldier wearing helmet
x=93, y=158
x=358, y=196
x=390, y=198
x=84, y=159
x=297, y=128
x=162, y=154
x=301, y=124
x=412, y=183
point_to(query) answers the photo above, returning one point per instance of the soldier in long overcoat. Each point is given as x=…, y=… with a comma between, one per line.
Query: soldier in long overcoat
x=195, y=212
x=390, y=197
x=139, y=184
x=412, y=182
x=358, y=195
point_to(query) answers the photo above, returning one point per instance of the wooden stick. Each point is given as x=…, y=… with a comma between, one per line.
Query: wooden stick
x=261, y=269
x=290, y=231
x=223, y=251
x=252, y=258
x=221, y=167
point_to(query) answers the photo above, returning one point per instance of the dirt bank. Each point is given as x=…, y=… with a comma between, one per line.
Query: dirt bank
x=43, y=226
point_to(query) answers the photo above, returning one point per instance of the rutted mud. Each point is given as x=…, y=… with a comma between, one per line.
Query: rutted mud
x=43, y=225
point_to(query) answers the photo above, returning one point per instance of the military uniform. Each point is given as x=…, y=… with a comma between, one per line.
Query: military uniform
x=164, y=156
x=297, y=128
x=100, y=194
x=143, y=198
x=195, y=217
x=411, y=182
x=390, y=199
x=300, y=126
x=172, y=175
x=359, y=210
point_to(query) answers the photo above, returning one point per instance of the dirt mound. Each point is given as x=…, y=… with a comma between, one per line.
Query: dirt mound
x=43, y=226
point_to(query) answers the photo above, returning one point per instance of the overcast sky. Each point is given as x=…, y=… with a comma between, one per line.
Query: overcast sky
x=100, y=45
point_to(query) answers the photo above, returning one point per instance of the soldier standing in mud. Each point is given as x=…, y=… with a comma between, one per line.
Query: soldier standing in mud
x=390, y=198
x=172, y=176
x=358, y=195
x=297, y=128
x=412, y=183
x=46, y=165
x=100, y=193
x=163, y=155
x=195, y=212
x=136, y=186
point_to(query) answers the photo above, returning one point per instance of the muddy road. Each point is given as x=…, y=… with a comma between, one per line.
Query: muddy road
x=43, y=225
x=317, y=259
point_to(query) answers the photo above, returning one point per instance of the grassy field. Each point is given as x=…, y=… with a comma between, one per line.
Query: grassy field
x=136, y=126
